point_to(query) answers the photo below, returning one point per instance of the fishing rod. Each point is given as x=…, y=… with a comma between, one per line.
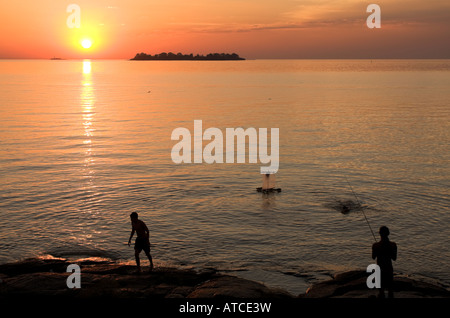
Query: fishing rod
x=362, y=209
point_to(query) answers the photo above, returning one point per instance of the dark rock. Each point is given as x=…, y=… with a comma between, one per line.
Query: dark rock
x=108, y=280
x=234, y=287
x=37, y=277
x=352, y=284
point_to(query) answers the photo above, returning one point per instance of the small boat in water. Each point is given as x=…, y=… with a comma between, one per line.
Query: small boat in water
x=268, y=184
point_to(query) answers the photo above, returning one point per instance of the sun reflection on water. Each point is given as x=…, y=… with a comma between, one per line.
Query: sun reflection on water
x=87, y=102
x=86, y=67
x=87, y=99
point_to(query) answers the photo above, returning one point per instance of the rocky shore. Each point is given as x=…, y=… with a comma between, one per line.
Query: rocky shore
x=108, y=280
x=352, y=284
x=47, y=277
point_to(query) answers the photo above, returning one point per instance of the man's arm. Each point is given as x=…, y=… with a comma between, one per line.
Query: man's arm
x=131, y=236
x=147, y=232
x=394, y=251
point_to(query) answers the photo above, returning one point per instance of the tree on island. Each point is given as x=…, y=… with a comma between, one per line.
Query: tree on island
x=180, y=56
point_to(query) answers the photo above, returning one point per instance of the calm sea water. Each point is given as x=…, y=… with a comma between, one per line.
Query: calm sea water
x=85, y=143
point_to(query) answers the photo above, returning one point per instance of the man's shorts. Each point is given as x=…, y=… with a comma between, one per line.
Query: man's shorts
x=142, y=244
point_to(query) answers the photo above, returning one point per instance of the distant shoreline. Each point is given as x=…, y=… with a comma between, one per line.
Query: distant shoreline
x=187, y=57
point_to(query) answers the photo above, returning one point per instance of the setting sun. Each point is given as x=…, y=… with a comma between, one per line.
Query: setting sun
x=86, y=43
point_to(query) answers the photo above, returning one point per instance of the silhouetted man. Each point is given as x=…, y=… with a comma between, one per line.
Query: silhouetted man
x=142, y=240
x=385, y=251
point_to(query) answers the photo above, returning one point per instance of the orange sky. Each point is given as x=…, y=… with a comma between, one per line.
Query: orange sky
x=251, y=28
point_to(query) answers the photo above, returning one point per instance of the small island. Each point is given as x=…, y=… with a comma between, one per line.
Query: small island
x=187, y=57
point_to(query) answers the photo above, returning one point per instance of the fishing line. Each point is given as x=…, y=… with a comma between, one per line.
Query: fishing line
x=362, y=209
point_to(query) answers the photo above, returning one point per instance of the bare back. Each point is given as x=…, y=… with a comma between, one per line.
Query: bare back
x=140, y=228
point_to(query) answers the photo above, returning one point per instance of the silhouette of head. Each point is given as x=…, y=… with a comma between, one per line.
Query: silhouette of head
x=384, y=232
x=134, y=216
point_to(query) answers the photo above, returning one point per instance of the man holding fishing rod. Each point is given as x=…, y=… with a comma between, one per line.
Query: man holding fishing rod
x=385, y=251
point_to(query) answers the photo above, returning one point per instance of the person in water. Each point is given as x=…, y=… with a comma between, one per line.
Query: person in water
x=142, y=240
x=385, y=251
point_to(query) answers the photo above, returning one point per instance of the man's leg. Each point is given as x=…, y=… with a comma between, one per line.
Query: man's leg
x=138, y=261
x=150, y=259
x=390, y=286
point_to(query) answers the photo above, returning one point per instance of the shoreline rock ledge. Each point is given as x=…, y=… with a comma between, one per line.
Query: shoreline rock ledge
x=352, y=284
x=109, y=280
x=37, y=277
